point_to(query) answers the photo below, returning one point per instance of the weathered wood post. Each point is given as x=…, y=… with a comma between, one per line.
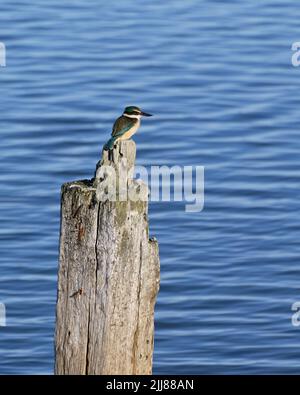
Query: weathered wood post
x=108, y=273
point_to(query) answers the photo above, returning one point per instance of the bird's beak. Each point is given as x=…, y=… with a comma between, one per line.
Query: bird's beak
x=145, y=114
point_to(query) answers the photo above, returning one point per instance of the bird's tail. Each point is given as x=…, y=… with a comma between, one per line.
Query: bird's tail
x=110, y=144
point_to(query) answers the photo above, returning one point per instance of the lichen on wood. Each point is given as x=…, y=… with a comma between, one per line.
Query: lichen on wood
x=108, y=277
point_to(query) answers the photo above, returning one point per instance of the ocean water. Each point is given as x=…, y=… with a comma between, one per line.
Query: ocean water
x=219, y=80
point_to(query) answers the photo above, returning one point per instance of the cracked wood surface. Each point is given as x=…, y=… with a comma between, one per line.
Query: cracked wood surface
x=108, y=279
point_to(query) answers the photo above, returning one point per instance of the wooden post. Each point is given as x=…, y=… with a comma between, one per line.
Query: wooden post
x=108, y=275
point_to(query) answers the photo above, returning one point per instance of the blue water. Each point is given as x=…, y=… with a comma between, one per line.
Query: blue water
x=218, y=77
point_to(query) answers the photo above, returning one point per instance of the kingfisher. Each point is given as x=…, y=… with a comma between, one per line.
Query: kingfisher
x=126, y=126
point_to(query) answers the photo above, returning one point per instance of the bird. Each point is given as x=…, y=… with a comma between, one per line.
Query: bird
x=125, y=126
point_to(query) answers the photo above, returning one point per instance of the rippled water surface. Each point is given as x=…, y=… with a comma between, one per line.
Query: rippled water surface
x=219, y=79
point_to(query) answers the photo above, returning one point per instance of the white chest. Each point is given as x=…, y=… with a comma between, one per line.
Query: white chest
x=130, y=132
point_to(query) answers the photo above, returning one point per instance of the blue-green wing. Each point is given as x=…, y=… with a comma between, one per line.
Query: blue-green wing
x=122, y=125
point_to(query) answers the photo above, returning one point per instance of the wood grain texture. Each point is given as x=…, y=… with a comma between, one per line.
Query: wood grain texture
x=108, y=279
